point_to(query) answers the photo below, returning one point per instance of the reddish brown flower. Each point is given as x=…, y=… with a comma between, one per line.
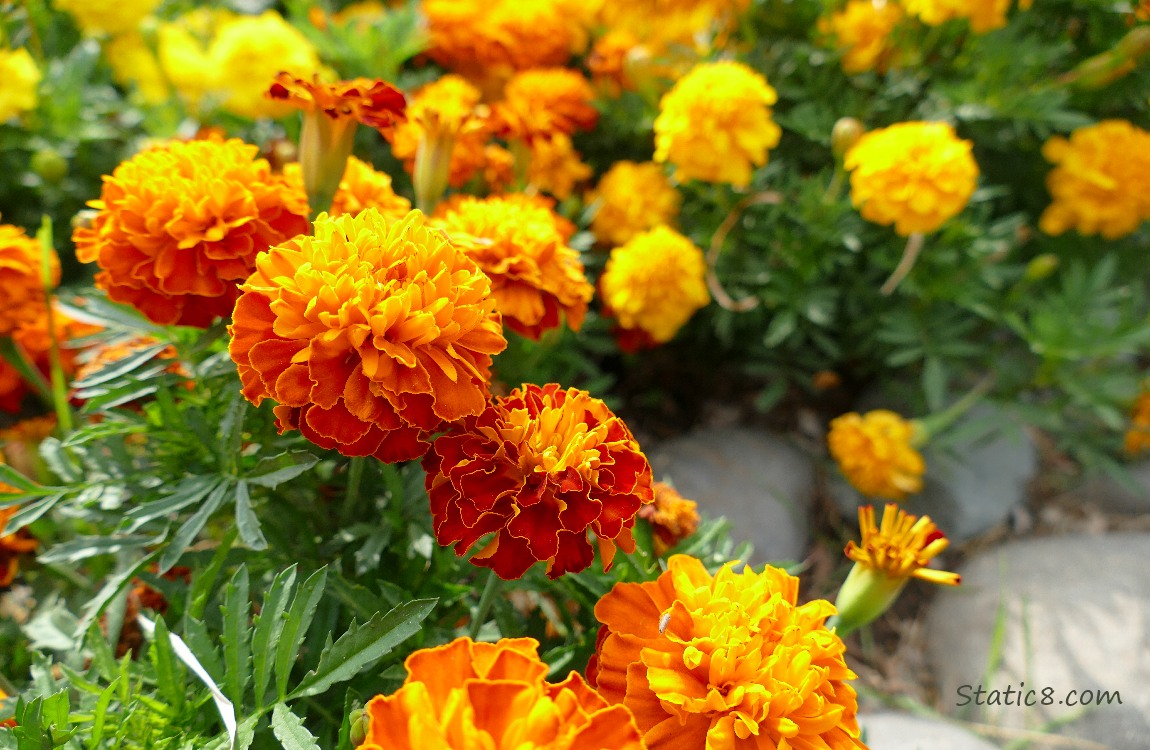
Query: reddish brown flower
x=540, y=468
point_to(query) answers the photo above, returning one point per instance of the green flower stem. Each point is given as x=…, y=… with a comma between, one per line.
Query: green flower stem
x=910, y=255
x=490, y=589
x=355, y=468
x=935, y=423
x=59, y=382
x=14, y=354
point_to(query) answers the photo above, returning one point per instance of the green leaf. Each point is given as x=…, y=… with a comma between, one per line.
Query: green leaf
x=117, y=583
x=30, y=513
x=363, y=645
x=205, y=580
x=246, y=521
x=187, y=491
x=191, y=528
x=203, y=645
x=269, y=626
x=120, y=367
x=295, y=627
x=236, y=636
x=274, y=470
x=290, y=731
x=83, y=547
x=169, y=675
x=8, y=475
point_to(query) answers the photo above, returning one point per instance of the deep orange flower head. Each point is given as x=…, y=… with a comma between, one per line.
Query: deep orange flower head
x=33, y=337
x=876, y=453
x=368, y=101
x=535, y=277
x=1137, y=439
x=726, y=662
x=447, y=107
x=370, y=334
x=673, y=517
x=607, y=61
x=180, y=225
x=362, y=187
x=467, y=695
x=149, y=598
x=22, y=296
x=542, y=102
x=540, y=468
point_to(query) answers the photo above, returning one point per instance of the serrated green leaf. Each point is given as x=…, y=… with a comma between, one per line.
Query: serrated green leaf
x=191, y=528
x=274, y=470
x=290, y=731
x=246, y=521
x=295, y=627
x=203, y=645
x=205, y=580
x=169, y=675
x=237, y=636
x=268, y=628
x=101, y=713
x=363, y=645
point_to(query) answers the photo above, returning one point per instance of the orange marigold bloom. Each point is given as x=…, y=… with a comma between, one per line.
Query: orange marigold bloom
x=539, y=468
x=862, y=30
x=607, y=61
x=367, y=101
x=179, y=225
x=1137, y=438
x=12, y=546
x=876, y=453
x=467, y=695
x=542, y=102
x=673, y=517
x=34, y=339
x=22, y=296
x=984, y=15
x=556, y=166
x=362, y=187
x=632, y=198
x=726, y=662
x=448, y=107
x=369, y=334
x=535, y=276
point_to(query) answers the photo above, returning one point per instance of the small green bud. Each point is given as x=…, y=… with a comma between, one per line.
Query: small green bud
x=1041, y=267
x=49, y=165
x=358, y=720
x=846, y=133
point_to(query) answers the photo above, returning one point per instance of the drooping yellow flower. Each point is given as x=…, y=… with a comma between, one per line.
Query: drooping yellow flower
x=876, y=454
x=536, y=279
x=673, y=517
x=725, y=662
x=107, y=17
x=133, y=63
x=544, y=102
x=1100, y=182
x=715, y=124
x=914, y=175
x=493, y=696
x=1137, y=438
x=22, y=297
x=248, y=52
x=655, y=283
x=862, y=30
x=21, y=78
x=556, y=167
x=632, y=197
x=984, y=15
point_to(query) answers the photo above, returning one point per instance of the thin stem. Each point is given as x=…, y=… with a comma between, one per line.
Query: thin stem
x=59, y=383
x=769, y=197
x=910, y=254
x=355, y=468
x=935, y=423
x=490, y=588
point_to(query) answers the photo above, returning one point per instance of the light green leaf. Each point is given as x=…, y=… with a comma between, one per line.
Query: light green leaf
x=191, y=528
x=246, y=520
x=237, y=636
x=290, y=731
x=114, y=585
x=295, y=627
x=274, y=470
x=269, y=626
x=83, y=547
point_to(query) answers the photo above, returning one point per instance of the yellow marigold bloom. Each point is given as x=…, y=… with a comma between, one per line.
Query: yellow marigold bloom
x=556, y=166
x=248, y=52
x=180, y=225
x=133, y=63
x=673, y=517
x=1100, y=182
x=875, y=453
x=715, y=124
x=862, y=30
x=632, y=198
x=370, y=334
x=696, y=24
x=535, y=276
x=725, y=662
x=182, y=51
x=22, y=296
x=361, y=187
x=446, y=109
x=915, y=175
x=1138, y=436
x=467, y=695
x=543, y=102
x=655, y=283
x=984, y=15
x=21, y=80
x=107, y=17
x=493, y=38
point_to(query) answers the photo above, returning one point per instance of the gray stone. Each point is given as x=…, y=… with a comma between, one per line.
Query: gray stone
x=1072, y=614
x=976, y=473
x=892, y=731
x=1109, y=494
x=759, y=481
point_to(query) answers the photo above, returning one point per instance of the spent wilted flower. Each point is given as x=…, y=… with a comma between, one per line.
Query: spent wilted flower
x=107, y=17
x=539, y=469
x=715, y=124
x=654, y=283
x=1101, y=180
x=179, y=226
x=725, y=662
x=673, y=517
x=21, y=77
x=467, y=695
x=862, y=30
x=876, y=453
x=914, y=175
x=885, y=559
x=631, y=198
x=22, y=293
x=369, y=334
x=536, y=279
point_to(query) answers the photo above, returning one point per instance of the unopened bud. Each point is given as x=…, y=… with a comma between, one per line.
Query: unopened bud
x=846, y=133
x=358, y=720
x=1041, y=267
x=49, y=165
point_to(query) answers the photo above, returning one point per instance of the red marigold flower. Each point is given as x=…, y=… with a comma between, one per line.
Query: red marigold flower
x=369, y=101
x=540, y=468
x=370, y=334
x=181, y=224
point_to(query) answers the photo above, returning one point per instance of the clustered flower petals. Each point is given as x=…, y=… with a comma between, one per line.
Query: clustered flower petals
x=1101, y=180
x=902, y=547
x=915, y=175
x=21, y=77
x=862, y=30
x=107, y=18
x=447, y=108
x=654, y=284
x=539, y=469
x=632, y=198
x=984, y=15
x=875, y=453
x=673, y=517
x=180, y=225
x=535, y=277
x=725, y=662
x=370, y=334
x=715, y=124
x=542, y=102
x=368, y=101
x=22, y=294
x=467, y=695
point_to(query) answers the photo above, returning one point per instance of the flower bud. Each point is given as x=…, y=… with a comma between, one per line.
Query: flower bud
x=49, y=165
x=846, y=132
x=1041, y=267
x=358, y=720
